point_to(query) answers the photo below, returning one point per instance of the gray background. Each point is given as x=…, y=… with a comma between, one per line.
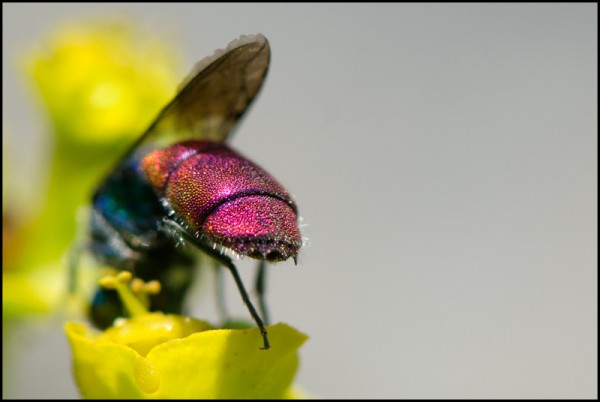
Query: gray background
x=445, y=160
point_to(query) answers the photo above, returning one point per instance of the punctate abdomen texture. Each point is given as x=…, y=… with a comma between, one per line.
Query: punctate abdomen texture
x=220, y=194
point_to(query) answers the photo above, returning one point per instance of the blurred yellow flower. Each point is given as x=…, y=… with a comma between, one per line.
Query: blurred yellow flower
x=102, y=84
x=166, y=356
x=104, y=81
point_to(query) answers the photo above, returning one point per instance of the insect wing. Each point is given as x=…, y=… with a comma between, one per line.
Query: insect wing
x=214, y=96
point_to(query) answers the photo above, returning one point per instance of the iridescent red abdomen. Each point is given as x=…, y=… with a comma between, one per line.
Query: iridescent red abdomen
x=224, y=198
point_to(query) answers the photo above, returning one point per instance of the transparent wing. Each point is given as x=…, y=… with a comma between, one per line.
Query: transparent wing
x=213, y=97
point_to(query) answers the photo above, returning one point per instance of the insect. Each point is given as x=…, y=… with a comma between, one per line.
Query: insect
x=180, y=182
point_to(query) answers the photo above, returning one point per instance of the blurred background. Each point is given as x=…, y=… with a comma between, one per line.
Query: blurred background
x=444, y=159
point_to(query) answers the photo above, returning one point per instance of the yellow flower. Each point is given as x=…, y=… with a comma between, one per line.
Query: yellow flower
x=165, y=356
x=103, y=81
x=153, y=355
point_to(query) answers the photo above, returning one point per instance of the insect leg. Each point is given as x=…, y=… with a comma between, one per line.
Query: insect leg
x=260, y=287
x=226, y=261
x=73, y=265
x=220, y=292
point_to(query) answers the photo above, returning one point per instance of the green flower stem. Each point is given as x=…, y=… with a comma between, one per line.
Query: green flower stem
x=75, y=170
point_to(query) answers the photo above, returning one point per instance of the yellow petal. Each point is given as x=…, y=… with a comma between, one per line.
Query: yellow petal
x=219, y=363
x=228, y=364
x=143, y=332
x=103, y=370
